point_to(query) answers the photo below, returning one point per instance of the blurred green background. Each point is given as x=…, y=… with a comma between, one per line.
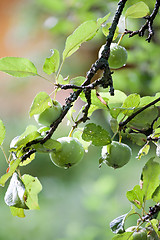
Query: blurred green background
x=78, y=203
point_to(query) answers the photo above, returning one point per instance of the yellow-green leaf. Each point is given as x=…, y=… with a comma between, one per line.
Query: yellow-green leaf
x=41, y=102
x=143, y=151
x=138, y=10
x=105, y=31
x=17, y=212
x=17, y=66
x=33, y=187
x=12, y=169
x=130, y=103
x=135, y=196
x=150, y=180
x=83, y=33
x=51, y=63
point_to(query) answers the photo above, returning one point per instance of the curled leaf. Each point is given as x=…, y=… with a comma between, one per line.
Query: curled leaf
x=52, y=63
x=15, y=193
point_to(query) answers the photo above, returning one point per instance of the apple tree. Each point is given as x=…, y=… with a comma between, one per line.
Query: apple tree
x=131, y=116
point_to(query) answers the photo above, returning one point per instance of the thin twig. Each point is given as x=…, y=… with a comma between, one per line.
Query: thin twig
x=152, y=212
x=148, y=24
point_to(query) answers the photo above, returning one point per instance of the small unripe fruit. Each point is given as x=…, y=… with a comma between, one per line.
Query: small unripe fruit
x=48, y=116
x=116, y=154
x=141, y=234
x=117, y=57
x=71, y=152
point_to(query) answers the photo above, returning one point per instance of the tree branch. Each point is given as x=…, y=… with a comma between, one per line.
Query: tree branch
x=124, y=123
x=152, y=212
x=101, y=63
x=148, y=24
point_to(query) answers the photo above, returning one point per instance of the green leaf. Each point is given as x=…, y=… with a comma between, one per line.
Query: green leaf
x=29, y=129
x=17, y=66
x=27, y=160
x=144, y=119
x=146, y=100
x=78, y=134
x=123, y=236
x=100, y=21
x=156, y=194
x=41, y=102
x=62, y=80
x=130, y=103
x=156, y=133
x=13, y=146
x=155, y=225
x=52, y=63
x=12, y=168
x=77, y=80
x=2, y=132
x=150, y=180
x=29, y=137
x=42, y=130
x=115, y=112
x=156, y=97
x=138, y=10
x=135, y=196
x=15, y=193
x=96, y=134
x=48, y=146
x=105, y=31
x=116, y=100
x=17, y=212
x=92, y=109
x=143, y=151
x=156, y=123
x=95, y=100
x=33, y=187
x=137, y=138
x=19, y=142
x=83, y=33
x=117, y=225
x=114, y=125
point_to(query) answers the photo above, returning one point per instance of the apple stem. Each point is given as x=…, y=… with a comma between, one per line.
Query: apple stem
x=121, y=38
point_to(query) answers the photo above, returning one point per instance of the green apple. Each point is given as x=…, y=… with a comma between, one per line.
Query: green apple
x=116, y=154
x=140, y=234
x=118, y=55
x=49, y=115
x=71, y=152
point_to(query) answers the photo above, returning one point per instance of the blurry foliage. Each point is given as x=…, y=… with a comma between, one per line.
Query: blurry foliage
x=61, y=17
